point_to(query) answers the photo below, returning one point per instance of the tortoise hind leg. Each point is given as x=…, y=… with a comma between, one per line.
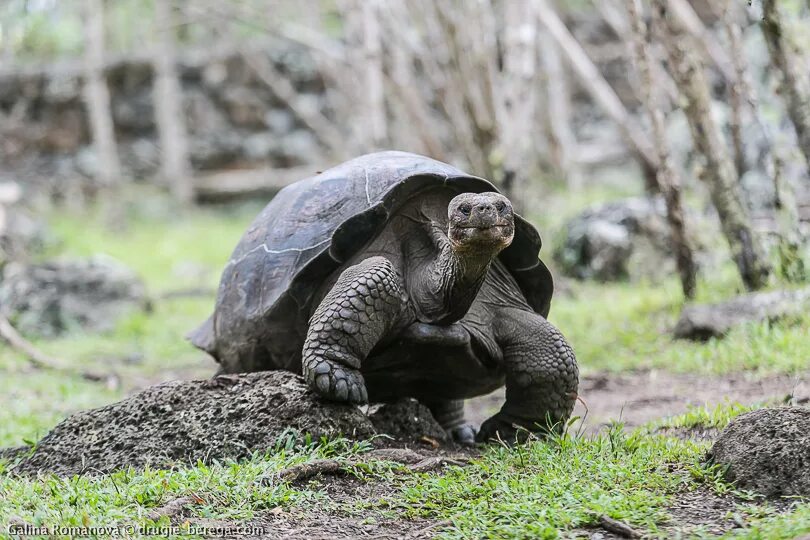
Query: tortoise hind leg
x=450, y=415
x=366, y=303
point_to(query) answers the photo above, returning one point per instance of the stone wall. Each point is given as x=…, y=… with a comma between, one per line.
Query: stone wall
x=234, y=121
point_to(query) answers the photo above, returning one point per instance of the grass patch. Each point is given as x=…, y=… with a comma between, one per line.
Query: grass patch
x=616, y=327
x=717, y=417
x=765, y=524
x=541, y=489
x=226, y=490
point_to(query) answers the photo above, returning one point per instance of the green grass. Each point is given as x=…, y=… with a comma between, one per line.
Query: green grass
x=704, y=416
x=616, y=327
x=540, y=489
x=225, y=490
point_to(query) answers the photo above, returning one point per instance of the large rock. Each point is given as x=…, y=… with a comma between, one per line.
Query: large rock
x=230, y=416
x=767, y=451
x=52, y=298
x=701, y=322
x=618, y=240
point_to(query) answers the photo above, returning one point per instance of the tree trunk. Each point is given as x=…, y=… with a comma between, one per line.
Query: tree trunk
x=794, y=83
x=596, y=85
x=669, y=182
x=690, y=22
x=373, y=64
x=518, y=100
x=97, y=96
x=174, y=161
x=561, y=139
x=737, y=86
x=718, y=171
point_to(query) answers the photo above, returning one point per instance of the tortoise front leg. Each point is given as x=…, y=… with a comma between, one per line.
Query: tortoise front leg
x=367, y=302
x=541, y=377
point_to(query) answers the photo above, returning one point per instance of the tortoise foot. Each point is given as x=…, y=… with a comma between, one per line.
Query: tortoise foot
x=502, y=428
x=463, y=434
x=335, y=382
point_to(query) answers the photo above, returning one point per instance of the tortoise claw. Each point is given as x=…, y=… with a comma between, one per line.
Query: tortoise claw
x=336, y=382
x=463, y=434
x=505, y=429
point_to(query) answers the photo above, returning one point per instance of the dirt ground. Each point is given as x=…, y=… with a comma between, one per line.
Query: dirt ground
x=639, y=397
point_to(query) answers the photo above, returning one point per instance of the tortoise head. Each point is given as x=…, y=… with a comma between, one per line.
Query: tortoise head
x=480, y=223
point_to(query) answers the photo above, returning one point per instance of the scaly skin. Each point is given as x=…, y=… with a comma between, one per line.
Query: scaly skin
x=367, y=303
x=541, y=377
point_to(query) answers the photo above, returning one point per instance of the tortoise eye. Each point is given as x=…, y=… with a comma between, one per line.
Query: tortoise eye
x=465, y=209
x=500, y=206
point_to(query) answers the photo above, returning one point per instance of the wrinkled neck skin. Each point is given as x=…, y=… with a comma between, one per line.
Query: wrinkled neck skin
x=450, y=283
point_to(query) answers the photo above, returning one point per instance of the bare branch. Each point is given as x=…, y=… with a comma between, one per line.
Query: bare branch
x=596, y=85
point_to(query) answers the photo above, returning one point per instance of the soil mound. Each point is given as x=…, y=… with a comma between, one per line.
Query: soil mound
x=229, y=416
x=767, y=451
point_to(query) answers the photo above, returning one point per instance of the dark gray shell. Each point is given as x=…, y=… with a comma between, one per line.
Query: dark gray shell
x=313, y=226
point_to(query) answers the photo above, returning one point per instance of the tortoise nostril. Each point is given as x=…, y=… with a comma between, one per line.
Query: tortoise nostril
x=484, y=207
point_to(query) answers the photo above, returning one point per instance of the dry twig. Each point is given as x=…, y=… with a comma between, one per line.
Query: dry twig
x=618, y=527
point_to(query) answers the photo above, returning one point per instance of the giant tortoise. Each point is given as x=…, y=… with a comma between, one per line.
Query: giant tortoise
x=396, y=275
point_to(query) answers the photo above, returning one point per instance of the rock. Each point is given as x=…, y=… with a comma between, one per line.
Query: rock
x=297, y=148
x=618, y=240
x=20, y=235
x=10, y=193
x=244, y=107
x=767, y=451
x=227, y=417
x=407, y=419
x=215, y=151
x=141, y=156
x=134, y=112
x=51, y=298
x=701, y=322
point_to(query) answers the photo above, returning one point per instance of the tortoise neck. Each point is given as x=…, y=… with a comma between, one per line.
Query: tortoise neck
x=462, y=276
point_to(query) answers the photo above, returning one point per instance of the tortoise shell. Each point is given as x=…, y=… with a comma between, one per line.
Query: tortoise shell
x=312, y=227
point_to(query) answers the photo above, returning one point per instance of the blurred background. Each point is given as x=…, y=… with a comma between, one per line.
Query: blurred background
x=661, y=148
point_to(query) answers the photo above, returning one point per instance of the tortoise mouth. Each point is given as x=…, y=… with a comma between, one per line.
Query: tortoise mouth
x=483, y=238
x=483, y=227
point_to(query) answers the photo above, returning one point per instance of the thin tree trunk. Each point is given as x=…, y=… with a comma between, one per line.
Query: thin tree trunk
x=518, y=99
x=171, y=126
x=795, y=86
x=792, y=248
x=690, y=22
x=614, y=16
x=373, y=64
x=669, y=181
x=97, y=96
x=718, y=172
x=561, y=138
x=737, y=86
x=596, y=85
